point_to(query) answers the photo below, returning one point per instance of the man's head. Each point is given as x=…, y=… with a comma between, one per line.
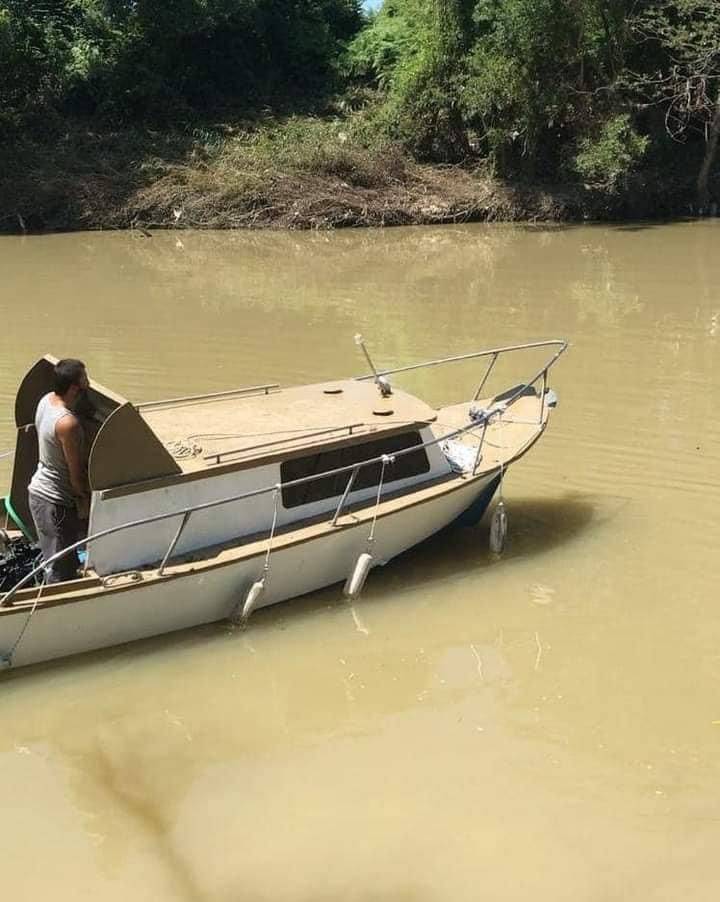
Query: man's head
x=70, y=379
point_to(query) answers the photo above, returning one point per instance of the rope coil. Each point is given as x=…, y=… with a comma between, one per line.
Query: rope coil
x=183, y=450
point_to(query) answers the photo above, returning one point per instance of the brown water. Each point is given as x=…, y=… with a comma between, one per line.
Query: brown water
x=545, y=726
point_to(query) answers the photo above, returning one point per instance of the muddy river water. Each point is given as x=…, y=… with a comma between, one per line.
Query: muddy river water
x=541, y=726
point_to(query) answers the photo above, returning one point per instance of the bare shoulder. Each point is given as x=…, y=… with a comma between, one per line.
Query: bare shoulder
x=67, y=426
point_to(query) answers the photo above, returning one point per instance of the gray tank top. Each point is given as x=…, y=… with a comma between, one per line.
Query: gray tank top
x=52, y=477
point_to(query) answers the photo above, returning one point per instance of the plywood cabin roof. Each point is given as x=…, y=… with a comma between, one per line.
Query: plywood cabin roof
x=244, y=428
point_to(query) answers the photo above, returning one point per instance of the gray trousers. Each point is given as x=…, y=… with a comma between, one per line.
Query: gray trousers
x=57, y=527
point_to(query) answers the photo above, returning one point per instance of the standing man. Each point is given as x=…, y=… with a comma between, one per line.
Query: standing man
x=58, y=492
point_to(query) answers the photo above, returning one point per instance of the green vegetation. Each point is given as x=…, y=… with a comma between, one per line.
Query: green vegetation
x=233, y=112
x=548, y=89
x=606, y=159
x=152, y=59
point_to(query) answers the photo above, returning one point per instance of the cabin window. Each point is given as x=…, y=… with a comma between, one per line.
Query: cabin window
x=413, y=464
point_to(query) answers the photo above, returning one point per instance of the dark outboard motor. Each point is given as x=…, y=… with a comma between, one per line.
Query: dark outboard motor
x=18, y=556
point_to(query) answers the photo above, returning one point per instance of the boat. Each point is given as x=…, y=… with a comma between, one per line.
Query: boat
x=208, y=507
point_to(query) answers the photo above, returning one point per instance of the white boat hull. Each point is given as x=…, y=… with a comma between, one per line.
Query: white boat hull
x=155, y=606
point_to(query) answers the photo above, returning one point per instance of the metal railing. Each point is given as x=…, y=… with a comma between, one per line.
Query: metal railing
x=473, y=355
x=480, y=422
x=212, y=396
x=217, y=456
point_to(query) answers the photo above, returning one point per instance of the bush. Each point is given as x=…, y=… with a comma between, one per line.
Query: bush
x=606, y=159
x=414, y=50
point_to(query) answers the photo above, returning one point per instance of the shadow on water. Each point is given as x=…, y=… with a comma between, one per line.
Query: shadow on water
x=645, y=225
x=641, y=225
x=536, y=526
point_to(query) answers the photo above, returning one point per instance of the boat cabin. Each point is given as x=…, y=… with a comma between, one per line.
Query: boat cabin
x=171, y=455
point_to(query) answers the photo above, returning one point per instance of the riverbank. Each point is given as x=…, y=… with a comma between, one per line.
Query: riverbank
x=301, y=174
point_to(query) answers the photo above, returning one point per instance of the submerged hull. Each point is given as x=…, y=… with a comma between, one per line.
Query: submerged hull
x=124, y=612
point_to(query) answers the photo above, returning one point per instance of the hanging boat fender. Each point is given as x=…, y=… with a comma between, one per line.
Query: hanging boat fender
x=243, y=609
x=498, y=529
x=255, y=593
x=356, y=580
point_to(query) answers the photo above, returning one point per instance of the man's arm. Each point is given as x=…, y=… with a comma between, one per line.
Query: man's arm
x=69, y=433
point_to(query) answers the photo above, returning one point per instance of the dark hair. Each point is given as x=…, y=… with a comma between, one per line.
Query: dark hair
x=67, y=372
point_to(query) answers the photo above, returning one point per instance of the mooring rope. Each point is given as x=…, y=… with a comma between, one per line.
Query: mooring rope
x=386, y=459
x=501, y=448
x=239, y=615
x=7, y=658
x=266, y=568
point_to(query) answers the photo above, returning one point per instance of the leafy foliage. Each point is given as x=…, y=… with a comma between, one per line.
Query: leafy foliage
x=591, y=90
x=606, y=159
x=682, y=38
x=531, y=67
x=393, y=35
x=131, y=58
x=416, y=50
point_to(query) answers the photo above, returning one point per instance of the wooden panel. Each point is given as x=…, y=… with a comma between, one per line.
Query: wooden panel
x=37, y=382
x=254, y=427
x=126, y=450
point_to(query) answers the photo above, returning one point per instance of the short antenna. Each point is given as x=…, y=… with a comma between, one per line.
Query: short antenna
x=360, y=342
x=382, y=383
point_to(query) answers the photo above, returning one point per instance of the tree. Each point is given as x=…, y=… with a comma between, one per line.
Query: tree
x=538, y=77
x=129, y=59
x=682, y=37
x=416, y=50
x=427, y=93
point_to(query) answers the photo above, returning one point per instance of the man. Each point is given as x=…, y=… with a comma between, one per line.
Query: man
x=58, y=492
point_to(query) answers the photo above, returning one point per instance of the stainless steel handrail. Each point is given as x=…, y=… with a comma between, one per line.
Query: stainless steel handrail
x=486, y=376
x=481, y=422
x=300, y=437
x=472, y=356
x=212, y=396
x=171, y=547
x=341, y=503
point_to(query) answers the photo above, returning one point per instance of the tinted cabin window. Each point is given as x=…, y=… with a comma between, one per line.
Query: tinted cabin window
x=412, y=464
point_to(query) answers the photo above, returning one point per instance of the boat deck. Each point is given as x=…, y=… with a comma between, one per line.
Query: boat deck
x=203, y=432
x=506, y=438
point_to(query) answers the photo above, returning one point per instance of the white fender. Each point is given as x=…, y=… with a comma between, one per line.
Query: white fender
x=356, y=580
x=252, y=599
x=498, y=529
